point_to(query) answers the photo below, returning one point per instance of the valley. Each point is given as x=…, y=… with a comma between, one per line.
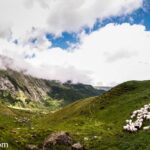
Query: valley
x=25, y=92
x=96, y=122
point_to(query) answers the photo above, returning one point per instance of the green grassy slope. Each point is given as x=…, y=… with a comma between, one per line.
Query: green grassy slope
x=16, y=128
x=7, y=125
x=97, y=122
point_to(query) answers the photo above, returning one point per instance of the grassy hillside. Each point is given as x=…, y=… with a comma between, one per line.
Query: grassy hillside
x=17, y=129
x=98, y=122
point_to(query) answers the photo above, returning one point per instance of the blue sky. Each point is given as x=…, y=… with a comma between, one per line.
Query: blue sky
x=64, y=41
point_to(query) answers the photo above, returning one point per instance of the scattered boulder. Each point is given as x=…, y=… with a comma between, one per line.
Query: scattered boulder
x=31, y=147
x=77, y=146
x=60, y=138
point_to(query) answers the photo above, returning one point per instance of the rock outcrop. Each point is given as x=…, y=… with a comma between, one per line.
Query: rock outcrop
x=60, y=138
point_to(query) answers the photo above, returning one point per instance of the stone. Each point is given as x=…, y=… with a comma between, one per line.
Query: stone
x=77, y=146
x=60, y=138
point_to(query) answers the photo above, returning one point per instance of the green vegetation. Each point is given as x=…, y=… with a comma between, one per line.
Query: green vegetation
x=95, y=122
x=71, y=92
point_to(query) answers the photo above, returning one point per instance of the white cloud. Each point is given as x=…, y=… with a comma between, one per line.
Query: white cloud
x=126, y=47
x=113, y=53
x=47, y=64
x=5, y=31
x=119, y=55
x=57, y=16
x=72, y=15
x=35, y=38
x=110, y=54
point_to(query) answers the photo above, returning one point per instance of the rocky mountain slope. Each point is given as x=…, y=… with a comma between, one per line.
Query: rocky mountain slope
x=19, y=90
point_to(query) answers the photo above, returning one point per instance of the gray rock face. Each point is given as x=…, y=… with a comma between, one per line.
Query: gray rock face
x=15, y=82
x=77, y=146
x=21, y=90
x=61, y=138
x=5, y=84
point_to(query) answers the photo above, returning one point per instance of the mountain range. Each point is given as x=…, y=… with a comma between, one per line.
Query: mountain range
x=23, y=91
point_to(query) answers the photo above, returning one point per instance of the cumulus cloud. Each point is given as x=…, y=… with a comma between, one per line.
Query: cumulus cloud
x=29, y=3
x=72, y=15
x=125, y=45
x=5, y=31
x=45, y=65
x=35, y=38
x=113, y=53
x=119, y=55
x=108, y=55
x=57, y=16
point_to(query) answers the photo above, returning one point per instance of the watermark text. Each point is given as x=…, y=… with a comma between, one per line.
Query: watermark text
x=4, y=145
